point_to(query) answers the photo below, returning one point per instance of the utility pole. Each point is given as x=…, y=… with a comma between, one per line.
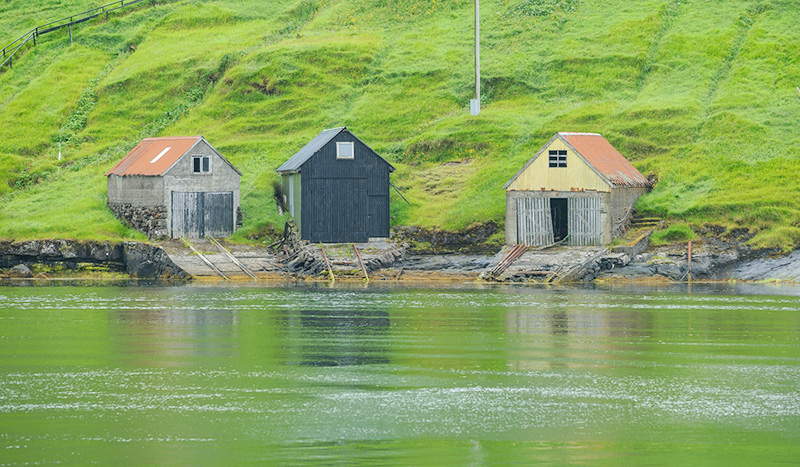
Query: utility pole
x=475, y=104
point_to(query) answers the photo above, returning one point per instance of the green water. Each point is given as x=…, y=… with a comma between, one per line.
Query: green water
x=362, y=376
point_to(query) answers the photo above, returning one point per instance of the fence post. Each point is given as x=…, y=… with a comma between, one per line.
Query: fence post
x=35, y=31
x=70, y=32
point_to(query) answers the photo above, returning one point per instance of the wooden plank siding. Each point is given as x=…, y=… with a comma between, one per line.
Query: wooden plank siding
x=534, y=223
x=344, y=200
x=576, y=176
x=584, y=224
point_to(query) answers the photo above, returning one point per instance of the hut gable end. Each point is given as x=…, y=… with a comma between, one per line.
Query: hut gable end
x=577, y=189
x=337, y=189
x=576, y=175
x=176, y=187
x=591, y=164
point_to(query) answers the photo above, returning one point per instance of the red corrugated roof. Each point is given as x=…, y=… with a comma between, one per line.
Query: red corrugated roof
x=153, y=156
x=601, y=155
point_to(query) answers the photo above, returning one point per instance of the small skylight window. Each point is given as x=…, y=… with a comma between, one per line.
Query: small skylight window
x=155, y=159
x=344, y=150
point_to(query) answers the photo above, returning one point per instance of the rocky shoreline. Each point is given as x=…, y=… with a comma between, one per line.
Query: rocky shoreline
x=139, y=260
x=713, y=259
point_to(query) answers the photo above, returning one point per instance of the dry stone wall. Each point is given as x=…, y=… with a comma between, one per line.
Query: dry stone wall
x=152, y=220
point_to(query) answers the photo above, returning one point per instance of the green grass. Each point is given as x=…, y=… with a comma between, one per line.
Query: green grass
x=675, y=233
x=700, y=95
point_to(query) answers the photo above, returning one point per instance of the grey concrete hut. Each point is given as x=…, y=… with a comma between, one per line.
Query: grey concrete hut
x=576, y=187
x=337, y=189
x=176, y=187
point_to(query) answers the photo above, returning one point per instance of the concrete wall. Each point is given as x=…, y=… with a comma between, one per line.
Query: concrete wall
x=180, y=177
x=511, y=209
x=136, y=190
x=575, y=176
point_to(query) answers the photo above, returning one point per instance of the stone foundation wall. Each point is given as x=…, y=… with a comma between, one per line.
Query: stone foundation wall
x=152, y=220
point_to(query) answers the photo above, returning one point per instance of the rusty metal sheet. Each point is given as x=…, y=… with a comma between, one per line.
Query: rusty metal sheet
x=153, y=156
x=606, y=159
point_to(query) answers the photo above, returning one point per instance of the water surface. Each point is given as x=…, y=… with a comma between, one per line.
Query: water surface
x=358, y=376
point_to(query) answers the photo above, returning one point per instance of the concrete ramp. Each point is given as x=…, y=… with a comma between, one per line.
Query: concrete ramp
x=548, y=265
x=257, y=260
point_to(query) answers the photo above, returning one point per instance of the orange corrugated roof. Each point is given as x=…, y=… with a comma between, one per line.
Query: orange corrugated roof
x=601, y=155
x=153, y=156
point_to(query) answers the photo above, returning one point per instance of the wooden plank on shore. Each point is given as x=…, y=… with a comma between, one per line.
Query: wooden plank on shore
x=205, y=260
x=232, y=258
x=363, y=268
x=328, y=263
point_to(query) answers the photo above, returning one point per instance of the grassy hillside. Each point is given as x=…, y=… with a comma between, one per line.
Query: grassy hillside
x=700, y=94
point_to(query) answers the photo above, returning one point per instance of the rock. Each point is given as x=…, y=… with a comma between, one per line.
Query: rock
x=149, y=261
x=70, y=254
x=148, y=219
x=467, y=239
x=100, y=251
x=146, y=270
x=672, y=271
x=30, y=248
x=50, y=249
x=20, y=270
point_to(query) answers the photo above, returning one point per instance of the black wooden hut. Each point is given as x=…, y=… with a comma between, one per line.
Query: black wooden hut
x=337, y=189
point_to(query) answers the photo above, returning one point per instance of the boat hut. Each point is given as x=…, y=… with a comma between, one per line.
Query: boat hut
x=577, y=188
x=336, y=188
x=176, y=187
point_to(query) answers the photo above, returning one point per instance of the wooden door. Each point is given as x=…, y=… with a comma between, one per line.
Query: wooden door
x=584, y=221
x=198, y=214
x=218, y=214
x=534, y=223
x=378, y=216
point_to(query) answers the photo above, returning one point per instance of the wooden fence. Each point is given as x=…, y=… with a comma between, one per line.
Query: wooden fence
x=10, y=50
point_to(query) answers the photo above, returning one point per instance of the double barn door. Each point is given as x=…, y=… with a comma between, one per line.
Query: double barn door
x=537, y=224
x=201, y=214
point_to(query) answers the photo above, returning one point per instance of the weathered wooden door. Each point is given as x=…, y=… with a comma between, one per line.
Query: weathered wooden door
x=534, y=223
x=338, y=211
x=218, y=214
x=378, y=216
x=584, y=221
x=198, y=214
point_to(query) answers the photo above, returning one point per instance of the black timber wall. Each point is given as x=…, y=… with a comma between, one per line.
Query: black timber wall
x=344, y=200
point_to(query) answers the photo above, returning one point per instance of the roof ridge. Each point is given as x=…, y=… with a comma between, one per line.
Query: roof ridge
x=161, y=138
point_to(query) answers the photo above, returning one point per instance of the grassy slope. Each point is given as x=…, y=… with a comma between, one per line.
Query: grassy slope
x=702, y=95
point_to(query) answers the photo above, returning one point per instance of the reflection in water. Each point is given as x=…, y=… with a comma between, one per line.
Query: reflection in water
x=343, y=337
x=168, y=337
x=489, y=377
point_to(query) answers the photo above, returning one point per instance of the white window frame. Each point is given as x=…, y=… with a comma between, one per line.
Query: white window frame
x=201, y=172
x=340, y=144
